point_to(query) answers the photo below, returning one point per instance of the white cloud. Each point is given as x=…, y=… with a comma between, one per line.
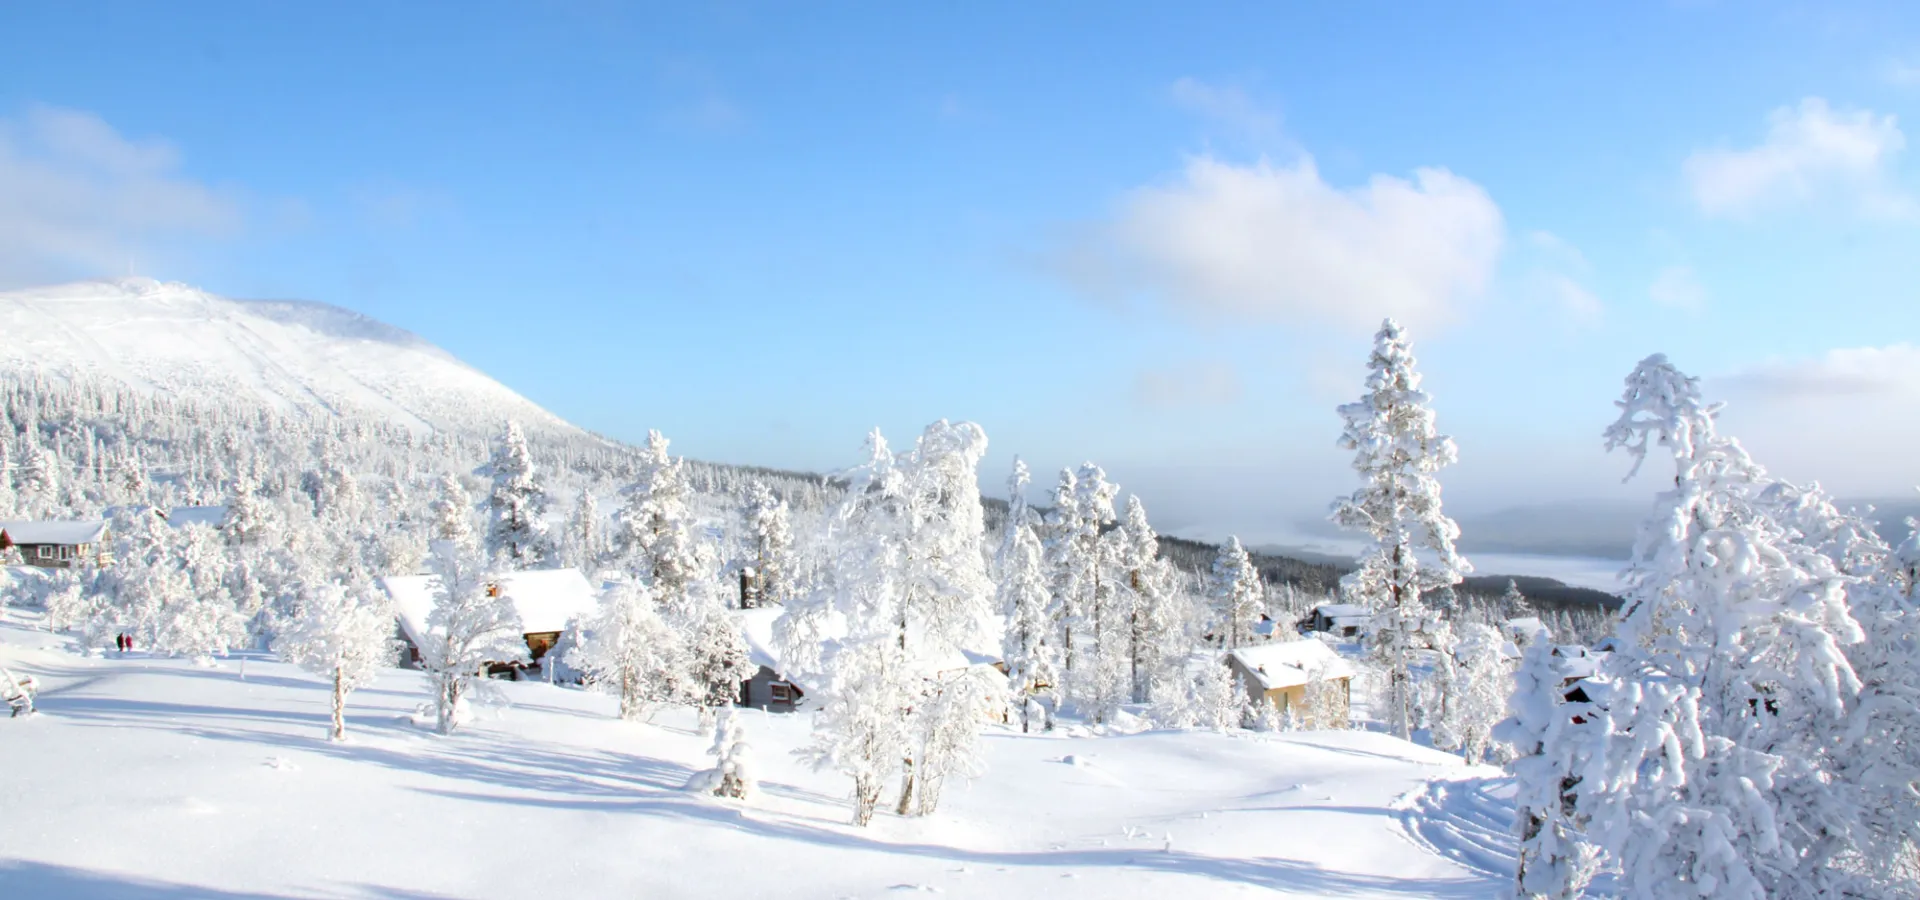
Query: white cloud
x=1225, y=104
x=1811, y=153
x=1574, y=299
x=1893, y=369
x=1266, y=242
x=79, y=199
x=1901, y=72
x=1189, y=385
x=1678, y=288
x=1559, y=276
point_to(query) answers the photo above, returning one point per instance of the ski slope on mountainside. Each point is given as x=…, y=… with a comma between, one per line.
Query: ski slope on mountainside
x=291, y=356
x=153, y=778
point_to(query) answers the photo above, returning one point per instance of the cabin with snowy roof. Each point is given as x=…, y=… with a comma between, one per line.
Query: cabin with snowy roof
x=1306, y=678
x=546, y=600
x=1338, y=619
x=58, y=544
x=776, y=689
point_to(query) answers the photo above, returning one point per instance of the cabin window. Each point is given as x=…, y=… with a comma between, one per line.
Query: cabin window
x=782, y=692
x=46, y=552
x=66, y=552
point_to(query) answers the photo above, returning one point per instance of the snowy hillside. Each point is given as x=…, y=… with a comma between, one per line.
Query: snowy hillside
x=153, y=778
x=177, y=340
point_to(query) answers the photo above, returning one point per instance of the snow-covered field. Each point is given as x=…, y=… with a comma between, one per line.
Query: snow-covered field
x=149, y=777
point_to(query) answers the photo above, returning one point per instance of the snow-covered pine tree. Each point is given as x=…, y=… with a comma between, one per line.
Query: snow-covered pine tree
x=732, y=773
x=452, y=512
x=585, y=545
x=627, y=650
x=770, y=531
x=199, y=619
x=1031, y=667
x=1158, y=624
x=1482, y=680
x=1218, y=698
x=716, y=657
x=516, y=534
x=1237, y=595
x=1396, y=452
x=1555, y=860
x=345, y=636
x=655, y=539
x=472, y=624
x=1715, y=773
x=1881, y=758
x=1078, y=567
x=1018, y=515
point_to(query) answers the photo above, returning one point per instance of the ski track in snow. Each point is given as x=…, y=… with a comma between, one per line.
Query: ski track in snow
x=1467, y=820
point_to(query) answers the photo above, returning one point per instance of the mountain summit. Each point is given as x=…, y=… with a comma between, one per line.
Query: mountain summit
x=291, y=356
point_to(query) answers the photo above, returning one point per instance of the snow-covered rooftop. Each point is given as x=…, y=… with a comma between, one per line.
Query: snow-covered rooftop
x=545, y=598
x=86, y=531
x=1528, y=625
x=1292, y=663
x=1342, y=610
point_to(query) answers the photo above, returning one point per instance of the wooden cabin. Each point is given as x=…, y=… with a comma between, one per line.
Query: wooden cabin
x=546, y=599
x=1345, y=620
x=1283, y=673
x=59, y=544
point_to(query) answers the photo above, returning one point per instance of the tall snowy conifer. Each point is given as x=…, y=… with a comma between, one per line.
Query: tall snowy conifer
x=515, y=532
x=770, y=529
x=1555, y=860
x=627, y=650
x=1238, y=596
x=1396, y=452
x=1157, y=625
x=1031, y=666
x=452, y=512
x=1716, y=772
x=655, y=537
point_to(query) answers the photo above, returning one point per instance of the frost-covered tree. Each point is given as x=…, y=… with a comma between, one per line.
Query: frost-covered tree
x=770, y=531
x=248, y=522
x=1481, y=679
x=732, y=773
x=452, y=512
x=37, y=486
x=1555, y=861
x=472, y=624
x=1396, y=453
x=1218, y=698
x=1019, y=515
x=1077, y=564
x=1881, y=756
x=954, y=704
x=343, y=635
x=627, y=650
x=1031, y=665
x=585, y=543
x=1716, y=773
x=906, y=582
x=1157, y=623
x=655, y=537
x=716, y=657
x=515, y=531
x=1237, y=595
x=199, y=618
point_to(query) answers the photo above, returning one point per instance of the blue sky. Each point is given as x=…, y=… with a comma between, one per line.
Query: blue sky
x=1157, y=239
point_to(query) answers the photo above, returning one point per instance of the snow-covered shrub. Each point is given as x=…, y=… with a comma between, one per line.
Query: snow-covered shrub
x=345, y=636
x=732, y=773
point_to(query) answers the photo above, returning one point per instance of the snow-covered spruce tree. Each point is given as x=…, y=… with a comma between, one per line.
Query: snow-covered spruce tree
x=37, y=486
x=906, y=580
x=1555, y=860
x=1716, y=772
x=1158, y=624
x=472, y=624
x=716, y=657
x=732, y=773
x=1238, y=596
x=200, y=619
x=1218, y=697
x=1881, y=759
x=1396, y=452
x=1482, y=679
x=655, y=539
x=585, y=544
x=142, y=584
x=770, y=531
x=1078, y=563
x=516, y=534
x=627, y=650
x=452, y=512
x=345, y=636
x=248, y=522
x=1019, y=515
x=1031, y=667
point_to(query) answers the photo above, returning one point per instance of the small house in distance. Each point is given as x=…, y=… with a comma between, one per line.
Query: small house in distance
x=1285, y=673
x=58, y=544
x=546, y=599
x=1339, y=619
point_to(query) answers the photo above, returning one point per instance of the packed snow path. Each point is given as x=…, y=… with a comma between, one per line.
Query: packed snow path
x=154, y=778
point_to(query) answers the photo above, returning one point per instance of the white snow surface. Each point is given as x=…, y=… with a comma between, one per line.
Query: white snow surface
x=292, y=356
x=153, y=778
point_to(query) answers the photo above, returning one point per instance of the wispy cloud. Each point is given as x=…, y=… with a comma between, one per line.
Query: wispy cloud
x=1190, y=385
x=1276, y=243
x=1560, y=274
x=1901, y=72
x=1677, y=287
x=78, y=199
x=1812, y=153
x=1227, y=105
x=1893, y=369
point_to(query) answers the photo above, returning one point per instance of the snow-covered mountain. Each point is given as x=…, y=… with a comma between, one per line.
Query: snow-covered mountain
x=291, y=356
